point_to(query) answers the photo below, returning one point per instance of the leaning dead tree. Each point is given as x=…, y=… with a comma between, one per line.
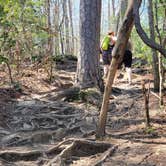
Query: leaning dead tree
x=118, y=53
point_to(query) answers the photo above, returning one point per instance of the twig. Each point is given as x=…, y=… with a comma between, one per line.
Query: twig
x=155, y=94
x=145, y=158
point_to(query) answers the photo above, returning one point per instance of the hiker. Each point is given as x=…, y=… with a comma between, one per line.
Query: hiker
x=106, y=49
x=127, y=61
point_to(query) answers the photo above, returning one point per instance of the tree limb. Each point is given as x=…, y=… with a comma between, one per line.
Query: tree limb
x=142, y=33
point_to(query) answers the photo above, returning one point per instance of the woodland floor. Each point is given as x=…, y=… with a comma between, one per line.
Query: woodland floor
x=40, y=128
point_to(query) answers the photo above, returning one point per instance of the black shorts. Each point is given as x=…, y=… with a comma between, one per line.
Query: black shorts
x=107, y=56
x=127, y=59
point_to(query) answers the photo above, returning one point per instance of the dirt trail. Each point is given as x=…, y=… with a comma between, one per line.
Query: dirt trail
x=33, y=125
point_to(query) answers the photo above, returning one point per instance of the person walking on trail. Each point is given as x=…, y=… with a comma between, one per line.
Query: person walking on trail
x=106, y=49
x=127, y=61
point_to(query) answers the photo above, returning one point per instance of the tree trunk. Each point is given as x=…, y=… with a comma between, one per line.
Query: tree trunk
x=61, y=30
x=49, y=42
x=71, y=27
x=61, y=42
x=123, y=8
x=109, y=14
x=65, y=11
x=88, y=69
x=18, y=57
x=56, y=26
x=113, y=8
x=160, y=60
x=10, y=73
x=117, y=56
x=161, y=102
x=155, y=63
x=146, y=100
x=120, y=14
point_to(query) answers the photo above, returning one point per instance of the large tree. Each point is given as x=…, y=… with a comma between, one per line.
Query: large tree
x=88, y=70
x=155, y=63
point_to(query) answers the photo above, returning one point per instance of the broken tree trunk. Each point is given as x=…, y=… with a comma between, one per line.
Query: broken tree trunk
x=117, y=56
x=146, y=93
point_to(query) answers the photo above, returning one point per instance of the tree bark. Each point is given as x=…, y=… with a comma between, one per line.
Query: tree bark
x=62, y=44
x=146, y=100
x=155, y=63
x=160, y=60
x=66, y=27
x=161, y=74
x=120, y=14
x=113, y=8
x=109, y=14
x=56, y=26
x=50, y=41
x=71, y=26
x=123, y=8
x=88, y=69
x=117, y=56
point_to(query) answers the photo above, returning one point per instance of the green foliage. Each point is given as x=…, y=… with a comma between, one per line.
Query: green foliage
x=20, y=37
x=3, y=59
x=71, y=57
x=140, y=50
x=62, y=58
x=58, y=58
x=85, y=93
x=151, y=131
x=89, y=93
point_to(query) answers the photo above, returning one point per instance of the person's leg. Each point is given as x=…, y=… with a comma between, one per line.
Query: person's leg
x=106, y=63
x=129, y=73
x=106, y=67
x=128, y=61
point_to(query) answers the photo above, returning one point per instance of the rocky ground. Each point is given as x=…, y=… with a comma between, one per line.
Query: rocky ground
x=40, y=125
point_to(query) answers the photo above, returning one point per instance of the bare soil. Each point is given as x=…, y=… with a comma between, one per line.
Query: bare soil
x=37, y=128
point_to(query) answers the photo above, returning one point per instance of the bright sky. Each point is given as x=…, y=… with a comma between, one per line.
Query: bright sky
x=104, y=24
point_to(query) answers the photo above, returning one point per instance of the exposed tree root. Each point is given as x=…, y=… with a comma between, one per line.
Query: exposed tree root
x=104, y=156
x=57, y=147
x=81, y=149
x=12, y=156
x=68, y=94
